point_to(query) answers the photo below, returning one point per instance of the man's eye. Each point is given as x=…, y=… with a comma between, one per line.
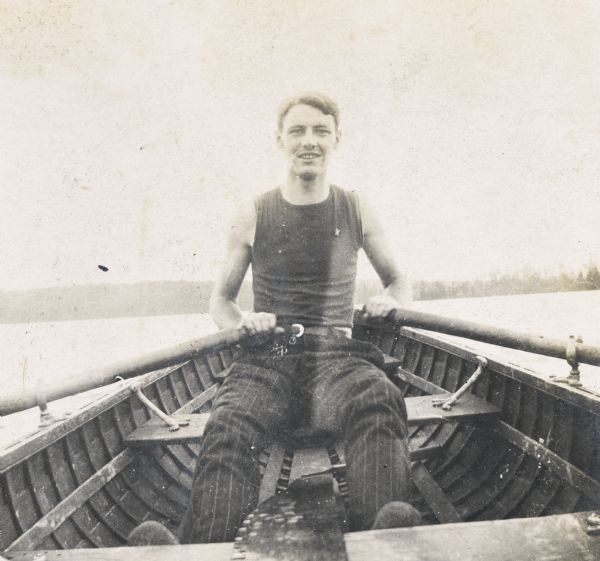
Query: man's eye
x=295, y=131
x=322, y=132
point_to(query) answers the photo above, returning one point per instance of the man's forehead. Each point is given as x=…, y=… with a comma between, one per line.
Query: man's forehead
x=302, y=114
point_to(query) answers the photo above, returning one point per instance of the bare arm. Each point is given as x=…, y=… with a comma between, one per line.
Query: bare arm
x=398, y=291
x=224, y=308
x=223, y=302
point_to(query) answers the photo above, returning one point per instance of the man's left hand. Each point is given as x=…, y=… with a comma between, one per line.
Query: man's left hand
x=380, y=306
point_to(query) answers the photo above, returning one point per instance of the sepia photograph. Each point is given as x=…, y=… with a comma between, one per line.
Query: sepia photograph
x=300, y=281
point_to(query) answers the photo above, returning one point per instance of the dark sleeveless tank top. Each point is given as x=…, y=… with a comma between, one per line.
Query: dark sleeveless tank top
x=304, y=258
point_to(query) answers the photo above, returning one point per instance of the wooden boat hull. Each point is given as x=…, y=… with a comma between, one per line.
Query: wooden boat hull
x=78, y=484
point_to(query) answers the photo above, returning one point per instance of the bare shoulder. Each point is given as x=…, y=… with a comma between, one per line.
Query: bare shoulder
x=368, y=216
x=243, y=225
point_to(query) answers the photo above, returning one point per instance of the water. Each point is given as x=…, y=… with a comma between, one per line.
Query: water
x=552, y=315
x=557, y=314
x=55, y=350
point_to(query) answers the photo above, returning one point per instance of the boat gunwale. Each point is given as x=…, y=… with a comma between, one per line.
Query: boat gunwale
x=584, y=399
x=401, y=339
x=21, y=449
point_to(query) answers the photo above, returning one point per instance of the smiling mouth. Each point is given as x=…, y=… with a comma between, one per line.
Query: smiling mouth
x=308, y=156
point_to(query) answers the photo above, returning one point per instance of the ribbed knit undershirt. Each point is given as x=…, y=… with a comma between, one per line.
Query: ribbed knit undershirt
x=304, y=258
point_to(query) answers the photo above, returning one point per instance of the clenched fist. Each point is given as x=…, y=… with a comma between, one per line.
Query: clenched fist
x=380, y=306
x=258, y=322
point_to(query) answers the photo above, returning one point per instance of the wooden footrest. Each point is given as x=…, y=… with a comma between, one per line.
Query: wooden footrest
x=155, y=431
x=420, y=411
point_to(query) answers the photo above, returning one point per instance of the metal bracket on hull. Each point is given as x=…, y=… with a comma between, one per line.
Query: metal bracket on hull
x=46, y=418
x=171, y=422
x=446, y=403
x=571, y=354
x=593, y=524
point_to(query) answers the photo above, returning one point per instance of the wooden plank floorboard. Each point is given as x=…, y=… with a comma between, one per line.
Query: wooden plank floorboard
x=55, y=517
x=434, y=496
x=564, y=469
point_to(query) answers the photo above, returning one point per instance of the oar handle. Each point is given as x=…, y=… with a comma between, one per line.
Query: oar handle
x=405, y=317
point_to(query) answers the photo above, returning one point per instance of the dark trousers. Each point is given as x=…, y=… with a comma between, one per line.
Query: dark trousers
x=332, y=383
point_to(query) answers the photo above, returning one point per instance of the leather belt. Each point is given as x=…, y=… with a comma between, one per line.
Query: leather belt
x=328, y=331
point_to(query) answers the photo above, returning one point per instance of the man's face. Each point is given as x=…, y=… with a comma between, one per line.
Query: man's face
x=308, y=137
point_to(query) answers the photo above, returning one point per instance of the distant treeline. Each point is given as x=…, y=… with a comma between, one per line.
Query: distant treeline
x=95, y=301
x=187, y=297
x=501, y=284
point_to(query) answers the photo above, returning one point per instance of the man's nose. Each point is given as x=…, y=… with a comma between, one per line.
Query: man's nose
x=309, y=139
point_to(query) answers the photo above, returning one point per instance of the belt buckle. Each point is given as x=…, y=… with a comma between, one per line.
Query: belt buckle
x=298, y=331
x=282, y=342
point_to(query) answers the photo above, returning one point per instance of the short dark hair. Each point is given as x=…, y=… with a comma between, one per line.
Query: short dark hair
x=317, y=100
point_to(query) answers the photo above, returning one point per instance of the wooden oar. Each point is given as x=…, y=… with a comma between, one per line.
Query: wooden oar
x=495, y=335
x=18, y=399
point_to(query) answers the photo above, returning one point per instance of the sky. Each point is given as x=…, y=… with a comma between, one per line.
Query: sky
x=132, y=131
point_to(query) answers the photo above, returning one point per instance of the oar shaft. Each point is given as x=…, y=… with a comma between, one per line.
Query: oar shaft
x=495, y=335
x=18, y=400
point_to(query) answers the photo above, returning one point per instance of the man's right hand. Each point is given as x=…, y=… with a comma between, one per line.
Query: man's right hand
x=258, y=322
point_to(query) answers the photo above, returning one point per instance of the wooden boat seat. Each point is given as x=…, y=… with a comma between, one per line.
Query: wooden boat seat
x=420, y=411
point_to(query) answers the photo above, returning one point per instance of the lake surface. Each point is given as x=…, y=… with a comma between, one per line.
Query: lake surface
x=552, y=315
x=55, y=350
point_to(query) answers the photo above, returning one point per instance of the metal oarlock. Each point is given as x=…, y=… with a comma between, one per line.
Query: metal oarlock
x=46, y=418
x=573, y=379
x=446, y=403
x=171, y=422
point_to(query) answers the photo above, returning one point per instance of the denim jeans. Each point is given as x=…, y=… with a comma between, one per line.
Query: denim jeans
x=334, y=384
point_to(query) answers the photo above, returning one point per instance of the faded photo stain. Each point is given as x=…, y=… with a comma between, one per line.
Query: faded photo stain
x=38, y=38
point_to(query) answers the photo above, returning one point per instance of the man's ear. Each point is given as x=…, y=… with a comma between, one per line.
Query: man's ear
x=279, y=141
x=338, y=137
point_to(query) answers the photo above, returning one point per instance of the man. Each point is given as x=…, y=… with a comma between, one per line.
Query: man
x=302, y=240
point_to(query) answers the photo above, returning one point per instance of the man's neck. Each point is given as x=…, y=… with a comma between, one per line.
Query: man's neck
x=299, y=190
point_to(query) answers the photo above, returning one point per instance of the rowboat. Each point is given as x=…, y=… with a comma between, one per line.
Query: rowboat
x=505, y=463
